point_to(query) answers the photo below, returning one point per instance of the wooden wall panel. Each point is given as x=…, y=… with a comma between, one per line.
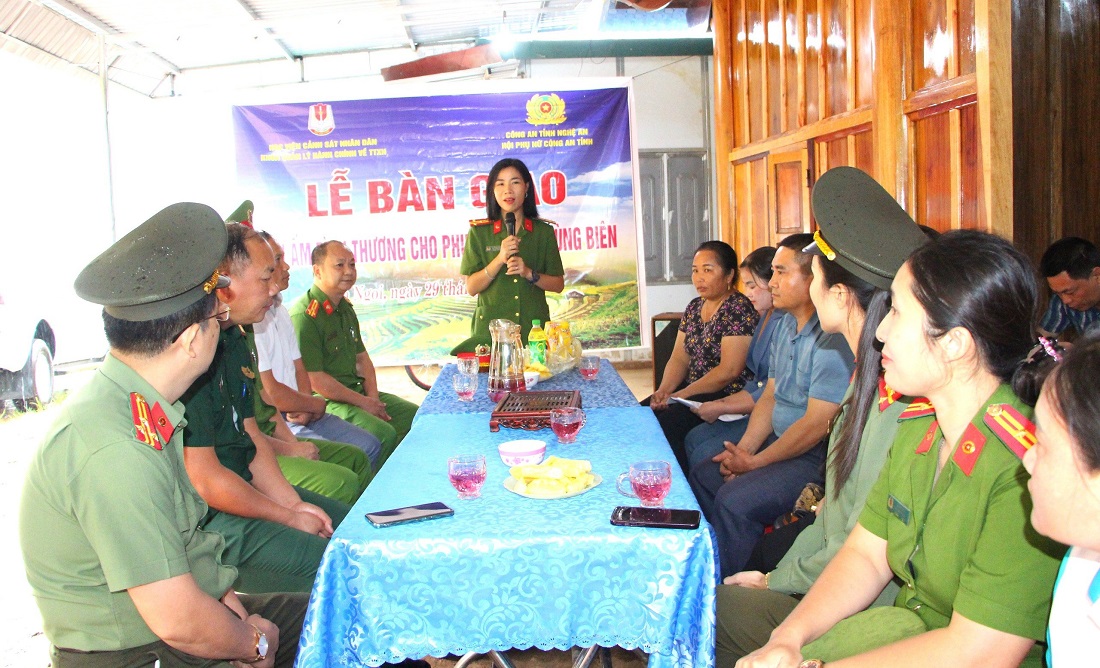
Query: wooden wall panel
x=756, y=73
x=865, y=151
x=835, y=25
x=1080, y=33
x=971, y=213
x=836, y=154
x=773, y=39
x=865, y=51
x=813, y=60
x=793, y=92
x=967, y=46
x=762, y=231
x=932, y=42
x=931, y=170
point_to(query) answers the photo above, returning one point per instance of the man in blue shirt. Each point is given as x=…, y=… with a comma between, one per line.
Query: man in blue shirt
x=758, y=467
x=1072, y=269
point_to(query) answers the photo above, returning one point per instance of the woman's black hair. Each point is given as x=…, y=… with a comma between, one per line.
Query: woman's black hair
x=1033, y=371
x=727, y=257
x=492, y=207
x=759, y=262
x=1077, y=397
x=982, y=283
x=874, y=303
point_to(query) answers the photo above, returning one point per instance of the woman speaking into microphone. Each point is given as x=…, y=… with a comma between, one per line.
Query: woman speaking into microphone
x=511, y=257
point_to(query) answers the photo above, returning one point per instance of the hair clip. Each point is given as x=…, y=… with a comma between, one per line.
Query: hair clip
x=1049, y=347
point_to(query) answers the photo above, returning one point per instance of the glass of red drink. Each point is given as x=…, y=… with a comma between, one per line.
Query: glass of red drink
x=465, y=386
x=590, y=366
x=467, y=475
x=649, y=482
x=566, y=422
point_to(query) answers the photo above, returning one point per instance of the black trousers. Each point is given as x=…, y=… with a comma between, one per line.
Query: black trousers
x=677, y=420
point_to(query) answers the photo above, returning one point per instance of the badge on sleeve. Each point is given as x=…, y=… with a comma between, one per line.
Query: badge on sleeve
x=898, y=509
x=1015, y=431
x=143, y=427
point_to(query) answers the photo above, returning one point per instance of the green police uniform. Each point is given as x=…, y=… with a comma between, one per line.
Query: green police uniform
x=90, y=531
x=509, y=297
x=330, y=341
x=341, y=471
x=960, y=543
x=269, y=556
x=747, y=617
x=107, y=504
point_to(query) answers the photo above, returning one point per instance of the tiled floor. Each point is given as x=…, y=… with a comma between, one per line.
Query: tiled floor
x=640, y=381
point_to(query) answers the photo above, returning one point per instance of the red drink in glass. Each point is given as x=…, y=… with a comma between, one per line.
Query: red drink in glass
x=500, y=387
x=589, y=374
x=566, y=431
x=651, y=490
x=467, y=482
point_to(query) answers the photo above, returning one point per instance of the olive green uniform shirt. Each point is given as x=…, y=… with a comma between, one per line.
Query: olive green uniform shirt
x=964, y=542
x=328, y=336
x=819, y=542
x=509, y=297
x=104, y=511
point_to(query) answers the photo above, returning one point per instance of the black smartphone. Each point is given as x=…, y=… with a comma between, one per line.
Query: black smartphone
x=425, y=511
x=663, y=518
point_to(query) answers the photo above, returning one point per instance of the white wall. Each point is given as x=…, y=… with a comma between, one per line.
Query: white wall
x=56, y=214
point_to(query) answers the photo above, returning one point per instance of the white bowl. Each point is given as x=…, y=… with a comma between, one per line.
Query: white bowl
x=530, y=378
x=521, y=452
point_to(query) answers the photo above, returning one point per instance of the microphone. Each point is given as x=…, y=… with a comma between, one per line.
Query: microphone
x=510, y=224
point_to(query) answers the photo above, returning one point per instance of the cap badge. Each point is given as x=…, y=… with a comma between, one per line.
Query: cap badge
x=212, y=282
x=825, y=248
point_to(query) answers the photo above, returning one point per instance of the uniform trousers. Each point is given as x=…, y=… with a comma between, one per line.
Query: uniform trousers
x=740, y=508
x=272, y=557
x=331, y=428
x=286, y=611
x=390, y=433
x=746, y=619
x=342, y=471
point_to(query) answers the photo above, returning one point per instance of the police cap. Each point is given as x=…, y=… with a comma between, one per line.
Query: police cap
x=166, y=264
x=861, y=226
x=242, y=214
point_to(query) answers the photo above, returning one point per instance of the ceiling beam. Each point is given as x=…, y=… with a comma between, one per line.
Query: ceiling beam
x=243, y=4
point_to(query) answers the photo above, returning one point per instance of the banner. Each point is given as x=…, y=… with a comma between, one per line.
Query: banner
x=399, y=179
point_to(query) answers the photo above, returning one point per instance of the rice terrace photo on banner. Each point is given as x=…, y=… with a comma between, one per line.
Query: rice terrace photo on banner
x=399, y=179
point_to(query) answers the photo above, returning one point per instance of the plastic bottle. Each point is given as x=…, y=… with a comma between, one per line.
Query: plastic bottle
x=536, y=343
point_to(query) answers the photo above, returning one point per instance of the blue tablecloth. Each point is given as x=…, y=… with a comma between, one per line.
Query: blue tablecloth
x=511, y=572
x=606, y=391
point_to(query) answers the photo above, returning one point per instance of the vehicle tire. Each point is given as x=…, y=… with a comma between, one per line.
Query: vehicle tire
x=423, y=375
x=37, y=378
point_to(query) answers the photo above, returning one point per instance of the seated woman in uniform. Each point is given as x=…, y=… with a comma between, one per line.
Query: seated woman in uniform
x=947, y=516
x=1065, y=488
x=511, y=257
x=708, y=358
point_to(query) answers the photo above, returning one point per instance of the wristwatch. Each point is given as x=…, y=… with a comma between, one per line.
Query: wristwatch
x=535, y=276
x=812, y=663
x=261, y=645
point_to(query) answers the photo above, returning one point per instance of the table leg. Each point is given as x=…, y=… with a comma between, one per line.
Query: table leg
x=499, y=659
x=586, y=656
x=466, y=659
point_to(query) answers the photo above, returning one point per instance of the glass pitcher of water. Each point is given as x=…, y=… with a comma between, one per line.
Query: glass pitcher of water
x=505, y=360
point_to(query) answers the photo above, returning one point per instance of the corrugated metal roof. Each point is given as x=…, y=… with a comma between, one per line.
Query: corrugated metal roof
x=148, y=41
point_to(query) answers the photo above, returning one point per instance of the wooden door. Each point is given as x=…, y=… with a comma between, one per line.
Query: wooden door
x=789, y=191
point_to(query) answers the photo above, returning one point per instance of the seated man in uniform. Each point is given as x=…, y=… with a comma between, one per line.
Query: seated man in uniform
x=1072, y=269
x=275, y=533
x=285, y=382
x=340, y=369
x=109, y=523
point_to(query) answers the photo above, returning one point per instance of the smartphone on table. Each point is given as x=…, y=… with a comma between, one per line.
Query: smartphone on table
x=661, y=518
x=424, y=511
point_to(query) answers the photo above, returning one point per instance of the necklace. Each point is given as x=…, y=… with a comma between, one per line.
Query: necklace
x=703, y=310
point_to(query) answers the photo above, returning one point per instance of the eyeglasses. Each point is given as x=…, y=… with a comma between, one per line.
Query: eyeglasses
x=220, y=316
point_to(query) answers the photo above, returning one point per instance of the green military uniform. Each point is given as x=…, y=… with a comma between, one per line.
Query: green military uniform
x=509, y=297
x=960, y=543
x=342, y=471
x=107, y=506
x=746, y=617
x=269, y=556
x=330, y=341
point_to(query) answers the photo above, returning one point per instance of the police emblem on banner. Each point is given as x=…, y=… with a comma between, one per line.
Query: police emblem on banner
x=321, y=121
x=545, y=110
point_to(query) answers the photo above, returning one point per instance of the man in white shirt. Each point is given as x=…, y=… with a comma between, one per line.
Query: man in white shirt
x=285, y=380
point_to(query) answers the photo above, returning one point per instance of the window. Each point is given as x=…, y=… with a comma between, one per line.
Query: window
x=675, y=203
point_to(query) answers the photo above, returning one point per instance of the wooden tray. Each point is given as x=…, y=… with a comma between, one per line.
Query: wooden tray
x=531, y=410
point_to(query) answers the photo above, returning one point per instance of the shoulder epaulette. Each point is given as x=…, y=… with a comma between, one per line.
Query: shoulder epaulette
x=1014, y=429
x=480, y=221
x=143, y=426
x=313, y=307
x=547, y=221
x=920, y=407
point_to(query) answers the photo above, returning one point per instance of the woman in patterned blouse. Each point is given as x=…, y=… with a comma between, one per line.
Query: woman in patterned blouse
x=708, y=359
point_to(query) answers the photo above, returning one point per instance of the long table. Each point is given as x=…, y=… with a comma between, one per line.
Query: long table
x=508, y=571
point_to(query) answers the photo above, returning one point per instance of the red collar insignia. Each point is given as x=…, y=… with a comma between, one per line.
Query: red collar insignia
x=970, y=447
x=929, y=437
x=328, y=307
x=886, y=396
x=143, y=427
x=1012, y=427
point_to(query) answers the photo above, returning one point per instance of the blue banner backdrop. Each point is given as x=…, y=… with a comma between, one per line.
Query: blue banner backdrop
x=399, y=179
